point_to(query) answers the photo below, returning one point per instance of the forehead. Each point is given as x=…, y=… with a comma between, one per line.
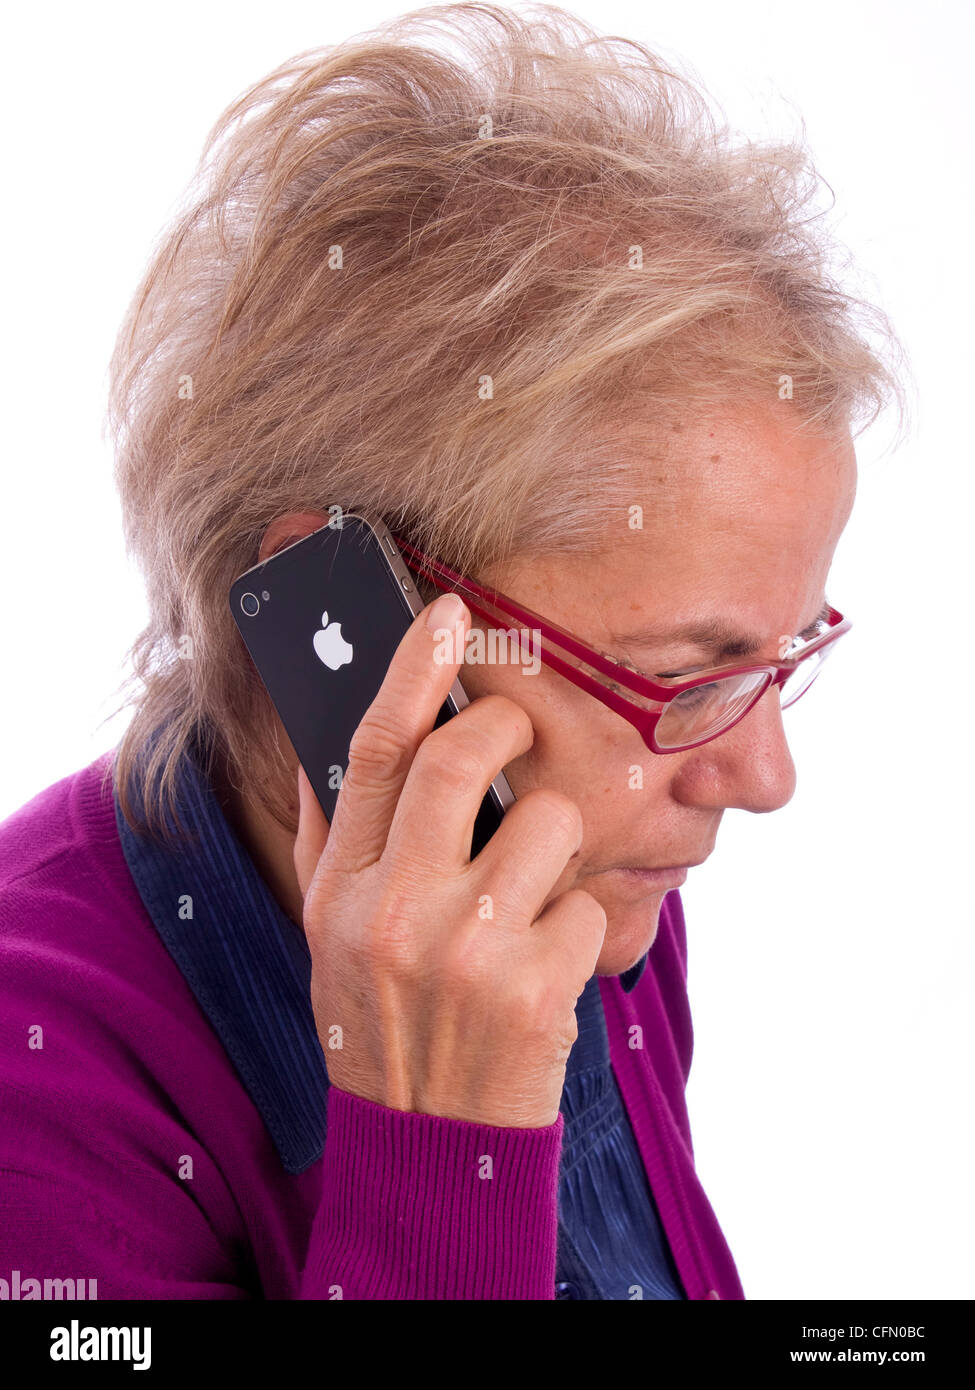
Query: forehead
x=744, y=470
x=731, y=516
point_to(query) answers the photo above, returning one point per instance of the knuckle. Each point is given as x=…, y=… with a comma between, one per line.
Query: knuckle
x=328, y=899
x=584, y=907
x=539, y=1004
x=558, y=810
x=377, y=750
x=492, y=717
x=320, y=895
x=456, y=766
x=564, y=1029
x=390, y=942
x=498, y=709
x=465, y=752
x=462, y=970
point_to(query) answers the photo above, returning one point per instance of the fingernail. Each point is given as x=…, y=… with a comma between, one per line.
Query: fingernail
x=446, y=613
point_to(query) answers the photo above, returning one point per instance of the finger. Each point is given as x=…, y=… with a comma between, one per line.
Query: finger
x=453, y=768
x=572, y=929
x=313, y=829
x=385, y=742
x=528, y=853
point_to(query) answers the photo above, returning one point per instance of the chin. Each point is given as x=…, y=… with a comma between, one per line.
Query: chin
x=630, y=932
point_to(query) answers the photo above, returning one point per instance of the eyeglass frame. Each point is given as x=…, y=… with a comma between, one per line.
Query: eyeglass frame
x=644, y=721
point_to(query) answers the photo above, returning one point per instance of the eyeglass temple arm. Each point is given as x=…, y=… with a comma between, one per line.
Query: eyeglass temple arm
x=444, y=577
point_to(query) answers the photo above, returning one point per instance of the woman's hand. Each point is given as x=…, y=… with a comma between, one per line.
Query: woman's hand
x=454, y=989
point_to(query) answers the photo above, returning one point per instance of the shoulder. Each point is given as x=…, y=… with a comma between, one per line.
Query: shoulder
x=66, y=895
x=79, y=956
x=54, y=823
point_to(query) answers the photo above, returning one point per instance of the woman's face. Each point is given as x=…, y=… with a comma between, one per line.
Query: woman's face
x=740, y=521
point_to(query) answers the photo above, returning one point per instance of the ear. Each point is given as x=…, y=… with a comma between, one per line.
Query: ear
x=285, y=530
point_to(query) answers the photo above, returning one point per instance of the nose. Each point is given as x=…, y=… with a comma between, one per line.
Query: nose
x=749, y=767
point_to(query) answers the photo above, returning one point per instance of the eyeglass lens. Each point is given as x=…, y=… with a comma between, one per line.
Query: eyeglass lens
x=705, y=711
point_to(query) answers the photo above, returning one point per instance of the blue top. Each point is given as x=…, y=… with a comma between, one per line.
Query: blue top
x=610, y=1240
x=611, y=1243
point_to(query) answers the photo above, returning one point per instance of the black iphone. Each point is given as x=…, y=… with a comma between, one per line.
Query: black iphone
x=321, y=620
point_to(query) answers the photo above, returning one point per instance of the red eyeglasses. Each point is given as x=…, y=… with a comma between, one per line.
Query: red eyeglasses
x=670, y=714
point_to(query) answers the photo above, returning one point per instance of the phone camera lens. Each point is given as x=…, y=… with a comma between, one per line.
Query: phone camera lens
x=250, y=604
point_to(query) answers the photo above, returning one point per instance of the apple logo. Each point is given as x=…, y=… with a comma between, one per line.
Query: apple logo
x=330, y=646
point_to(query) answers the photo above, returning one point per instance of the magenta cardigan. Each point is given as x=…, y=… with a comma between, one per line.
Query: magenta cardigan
x=132, y=1154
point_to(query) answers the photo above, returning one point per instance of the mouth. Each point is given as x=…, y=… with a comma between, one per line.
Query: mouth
x=669, y=875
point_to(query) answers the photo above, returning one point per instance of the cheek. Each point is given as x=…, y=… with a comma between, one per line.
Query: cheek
x=584, y=752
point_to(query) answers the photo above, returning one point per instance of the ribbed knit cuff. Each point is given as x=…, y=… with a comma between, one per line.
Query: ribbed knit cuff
x=421, y=1207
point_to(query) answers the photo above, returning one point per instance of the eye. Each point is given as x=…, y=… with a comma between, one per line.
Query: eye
x=674, y=675
x=648, y=675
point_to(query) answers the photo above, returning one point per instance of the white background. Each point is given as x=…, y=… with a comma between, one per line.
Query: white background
x=830, y=944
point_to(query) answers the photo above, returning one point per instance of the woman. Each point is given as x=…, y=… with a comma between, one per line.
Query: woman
x=527, y=301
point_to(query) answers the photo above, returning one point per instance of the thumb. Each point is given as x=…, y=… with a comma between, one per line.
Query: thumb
x=312, y=834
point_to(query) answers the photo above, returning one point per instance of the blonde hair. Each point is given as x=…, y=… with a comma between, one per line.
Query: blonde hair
x=427, y=271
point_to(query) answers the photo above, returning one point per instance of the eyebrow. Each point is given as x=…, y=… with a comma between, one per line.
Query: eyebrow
x=711, y=635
